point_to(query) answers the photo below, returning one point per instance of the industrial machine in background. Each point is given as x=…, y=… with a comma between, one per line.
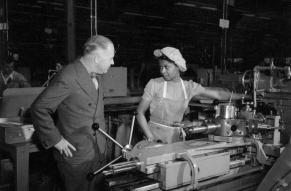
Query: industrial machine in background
x=242, y=143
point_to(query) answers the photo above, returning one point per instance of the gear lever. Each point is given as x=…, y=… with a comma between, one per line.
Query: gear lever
x=126, y=148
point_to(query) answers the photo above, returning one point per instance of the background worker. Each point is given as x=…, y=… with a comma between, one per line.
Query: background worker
x=10, y=78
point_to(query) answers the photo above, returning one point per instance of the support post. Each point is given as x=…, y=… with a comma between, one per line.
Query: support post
x=71, y=44
x=3, y=29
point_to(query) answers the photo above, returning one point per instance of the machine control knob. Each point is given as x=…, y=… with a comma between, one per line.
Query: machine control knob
x=95, y=127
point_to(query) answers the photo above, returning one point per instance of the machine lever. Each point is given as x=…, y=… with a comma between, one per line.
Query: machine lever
x=92, y=174
x=129, y=146
x=95, y=127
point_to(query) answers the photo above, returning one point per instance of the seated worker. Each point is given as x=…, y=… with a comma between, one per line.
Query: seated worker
x=168, y=96
x=10, y=78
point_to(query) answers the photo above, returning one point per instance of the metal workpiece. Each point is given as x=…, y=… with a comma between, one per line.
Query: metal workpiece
x=120, y=170
x=124, y=166
x=208, y=128
x=226, y=111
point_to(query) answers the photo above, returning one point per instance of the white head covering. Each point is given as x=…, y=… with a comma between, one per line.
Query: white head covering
x=173, y=54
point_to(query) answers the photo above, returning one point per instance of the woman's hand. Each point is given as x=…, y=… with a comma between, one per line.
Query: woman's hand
x=151, y=138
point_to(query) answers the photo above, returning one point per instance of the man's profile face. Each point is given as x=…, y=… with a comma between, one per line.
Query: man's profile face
x=8, y=68
x=104, y=59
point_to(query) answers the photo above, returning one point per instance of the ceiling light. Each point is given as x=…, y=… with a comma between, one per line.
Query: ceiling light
x=143, y=15
x=186, y=4
x=248, y=14
x=209, y=8
x=266, y=18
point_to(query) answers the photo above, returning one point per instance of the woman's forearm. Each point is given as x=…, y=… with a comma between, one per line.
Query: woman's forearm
x=144, y=125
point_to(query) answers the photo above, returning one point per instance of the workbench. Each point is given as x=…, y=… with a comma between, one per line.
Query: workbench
x=19, y=152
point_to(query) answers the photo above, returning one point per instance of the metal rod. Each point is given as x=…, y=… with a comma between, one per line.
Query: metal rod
x=91, y=18
x=131, y=130
x=108, y=136
x=7, y=23
x=95, y=17
x=225, y=147
x=125, y=166
x=96, y=172
x=209, y=128
x=113, y=171
x=199, y=129
x=254, y=90
x=122, y=163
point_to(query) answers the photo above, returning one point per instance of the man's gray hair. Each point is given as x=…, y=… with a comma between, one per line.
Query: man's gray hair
x=95, y=42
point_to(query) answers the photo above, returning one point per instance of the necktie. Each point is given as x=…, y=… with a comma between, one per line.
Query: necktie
x=94, y=80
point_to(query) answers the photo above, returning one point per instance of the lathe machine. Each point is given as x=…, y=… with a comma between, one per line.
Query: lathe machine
x=240, y=146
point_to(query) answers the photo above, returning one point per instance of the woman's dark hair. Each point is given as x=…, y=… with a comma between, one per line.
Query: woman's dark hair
x=164, y=57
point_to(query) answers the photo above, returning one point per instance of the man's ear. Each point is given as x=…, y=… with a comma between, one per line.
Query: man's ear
x=96, y=58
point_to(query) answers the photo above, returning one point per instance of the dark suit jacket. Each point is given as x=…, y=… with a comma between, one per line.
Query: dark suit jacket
x=78, y=104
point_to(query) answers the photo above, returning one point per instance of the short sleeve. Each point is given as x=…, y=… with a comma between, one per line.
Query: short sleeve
x=148, y=91
x=195, y=88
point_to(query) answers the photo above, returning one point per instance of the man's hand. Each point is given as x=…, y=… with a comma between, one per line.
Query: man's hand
x=65, y=147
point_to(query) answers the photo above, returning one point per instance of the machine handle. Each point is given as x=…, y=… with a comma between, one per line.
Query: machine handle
x=91, y=175
x=95, y=127
x=131, y=128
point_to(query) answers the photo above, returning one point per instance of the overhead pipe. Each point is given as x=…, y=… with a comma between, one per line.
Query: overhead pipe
x=71, y=44
x=93, y=18
x=224, y=36
x=4, y=29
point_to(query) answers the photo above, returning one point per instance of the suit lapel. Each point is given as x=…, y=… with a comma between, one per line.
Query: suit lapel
x=85, y=81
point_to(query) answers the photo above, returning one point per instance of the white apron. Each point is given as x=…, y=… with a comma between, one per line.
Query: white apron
x=165, y=114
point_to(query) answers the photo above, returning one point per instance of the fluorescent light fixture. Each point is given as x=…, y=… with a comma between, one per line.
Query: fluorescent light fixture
x=143, y=15
x=248, y=14
x=186, y=4
x=209, y=8
x=265, y=18
x=160, y=27
x=52, y=3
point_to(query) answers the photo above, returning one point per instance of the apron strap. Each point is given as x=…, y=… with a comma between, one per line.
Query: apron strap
x=165, y=89
x=183, y=87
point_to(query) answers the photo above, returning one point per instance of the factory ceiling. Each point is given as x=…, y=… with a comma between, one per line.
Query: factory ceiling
x=257, y=28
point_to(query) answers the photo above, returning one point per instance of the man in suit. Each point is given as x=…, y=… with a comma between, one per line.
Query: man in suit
x=77, y=100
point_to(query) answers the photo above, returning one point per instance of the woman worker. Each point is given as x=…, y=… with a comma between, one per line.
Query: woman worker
x=168, y=97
